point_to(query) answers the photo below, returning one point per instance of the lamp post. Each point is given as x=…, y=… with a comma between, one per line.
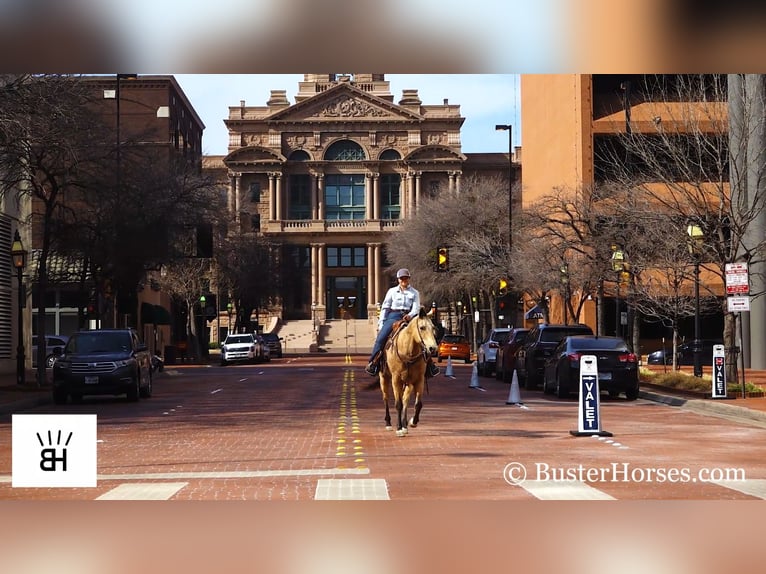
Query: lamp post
x=229, y=310
x=696, y=240
x=345, y=304
x=19, y=260
x=314, y=316
x=618, y=266
x=564, y=270
x=509, y=129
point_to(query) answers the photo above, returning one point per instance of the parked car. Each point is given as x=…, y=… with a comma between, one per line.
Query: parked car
x=265, y=350
x=486, y=353
x=506, y=354
x=54, y=346
x=238, y=347
x=103, y=362
x=685, y=353
x=455, y=346
x=538, y=346
x=616, y=361
x=274, y=342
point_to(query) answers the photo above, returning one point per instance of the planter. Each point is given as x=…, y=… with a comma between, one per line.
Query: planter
x=686, y=393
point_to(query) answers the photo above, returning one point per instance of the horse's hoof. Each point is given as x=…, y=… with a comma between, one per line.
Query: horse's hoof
x=413, y=424
x=389, y=427
x=402, y=432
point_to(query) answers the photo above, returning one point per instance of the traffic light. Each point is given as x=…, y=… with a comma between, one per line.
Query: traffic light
x=442, y=259
x=503, y=287
x=91, y=310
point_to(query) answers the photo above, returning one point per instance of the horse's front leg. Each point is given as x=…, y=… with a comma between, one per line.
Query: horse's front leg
x=418, y=405
x=401, y=417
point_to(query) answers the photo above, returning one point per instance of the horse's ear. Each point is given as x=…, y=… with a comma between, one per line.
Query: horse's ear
x=422, y=313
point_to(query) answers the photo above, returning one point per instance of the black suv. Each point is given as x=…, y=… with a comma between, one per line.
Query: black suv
x=538, y=346
x=103, y=362
x=274, y=343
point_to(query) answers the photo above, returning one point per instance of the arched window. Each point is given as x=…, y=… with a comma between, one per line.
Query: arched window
x=299, y=155
x=345, y=150
x=390, y=155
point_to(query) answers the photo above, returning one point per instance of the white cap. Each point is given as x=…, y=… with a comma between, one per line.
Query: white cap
x=402, y=273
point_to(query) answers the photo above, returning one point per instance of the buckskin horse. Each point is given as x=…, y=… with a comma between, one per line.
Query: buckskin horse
x=403, y=369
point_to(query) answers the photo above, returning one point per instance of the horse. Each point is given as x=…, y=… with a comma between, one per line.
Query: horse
x=403, y=370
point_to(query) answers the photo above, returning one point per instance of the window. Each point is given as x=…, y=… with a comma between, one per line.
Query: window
x=345, y=150
x=390, y=196
x=299, y=205
x=299, y=155
x=255, y=222
x=346, y=257
x=344, y=196
x=255, y=191
x=390, y=155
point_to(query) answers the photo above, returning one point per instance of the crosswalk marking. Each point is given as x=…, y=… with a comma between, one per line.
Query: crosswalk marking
x=143, y=491
x=753, y=487
x=351, y=489
x=571, y=490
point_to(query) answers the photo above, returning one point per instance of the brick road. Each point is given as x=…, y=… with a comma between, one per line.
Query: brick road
x=311, y=427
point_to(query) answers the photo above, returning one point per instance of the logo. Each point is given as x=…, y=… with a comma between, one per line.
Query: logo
x=52, y=451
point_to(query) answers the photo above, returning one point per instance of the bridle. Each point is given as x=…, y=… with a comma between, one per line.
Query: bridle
x=411, y=360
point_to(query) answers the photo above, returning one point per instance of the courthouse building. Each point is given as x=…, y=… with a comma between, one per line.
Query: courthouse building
x=332, y=174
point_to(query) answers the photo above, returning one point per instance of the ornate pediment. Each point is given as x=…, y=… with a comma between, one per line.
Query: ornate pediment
x=248, y=155
x=344, y=102
x=434, y=152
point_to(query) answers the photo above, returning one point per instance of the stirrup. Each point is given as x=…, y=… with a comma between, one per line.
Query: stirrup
x=372, y=369
x=432, y=370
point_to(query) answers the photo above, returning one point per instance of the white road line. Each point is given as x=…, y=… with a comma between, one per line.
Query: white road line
x=215, y=391
x=226, y=474
x=351, y=489
x=754, y=487
x=153, y=491
x=552, y=490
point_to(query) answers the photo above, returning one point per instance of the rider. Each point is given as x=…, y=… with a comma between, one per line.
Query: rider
x=401, y=302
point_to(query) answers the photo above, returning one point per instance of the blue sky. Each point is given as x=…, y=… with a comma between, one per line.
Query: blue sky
x=485, y=100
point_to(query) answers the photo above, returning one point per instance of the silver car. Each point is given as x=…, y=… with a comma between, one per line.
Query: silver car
x=54, y=346
x=486, y=354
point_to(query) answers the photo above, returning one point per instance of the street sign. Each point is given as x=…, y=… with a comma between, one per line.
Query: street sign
x=589, y=418
x=738, y=303
x=719, y=372
x=737, y=279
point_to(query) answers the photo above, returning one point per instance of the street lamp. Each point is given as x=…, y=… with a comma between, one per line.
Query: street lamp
x=19, y=260
x=618, y=266
x=229, y=311
x=564, y=270
x=314, y=316
x=696, y=241
x=509, y=129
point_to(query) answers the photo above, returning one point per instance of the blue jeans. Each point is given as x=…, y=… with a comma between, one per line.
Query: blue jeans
x=385, y=331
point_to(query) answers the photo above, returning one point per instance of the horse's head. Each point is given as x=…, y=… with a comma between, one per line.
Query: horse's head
x=426, y=331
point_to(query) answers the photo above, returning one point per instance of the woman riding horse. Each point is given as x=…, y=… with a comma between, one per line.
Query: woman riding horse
x=404, y=370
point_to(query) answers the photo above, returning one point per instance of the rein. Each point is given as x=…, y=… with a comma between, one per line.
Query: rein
x=423, y=354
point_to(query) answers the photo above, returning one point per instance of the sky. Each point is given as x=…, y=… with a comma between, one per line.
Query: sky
x=485, y=100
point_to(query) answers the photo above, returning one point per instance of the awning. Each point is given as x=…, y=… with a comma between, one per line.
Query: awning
x=535, y=312
x=154, y=314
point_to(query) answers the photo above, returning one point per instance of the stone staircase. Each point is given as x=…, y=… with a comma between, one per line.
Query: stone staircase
x=361, y=336
x=296, y=335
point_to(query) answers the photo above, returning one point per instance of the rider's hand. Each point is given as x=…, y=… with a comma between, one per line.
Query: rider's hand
x=406, y=318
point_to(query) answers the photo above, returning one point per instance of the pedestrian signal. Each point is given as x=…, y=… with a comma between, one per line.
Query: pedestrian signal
x=442, y=259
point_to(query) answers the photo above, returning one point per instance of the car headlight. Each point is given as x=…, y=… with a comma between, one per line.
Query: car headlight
x=123, y=363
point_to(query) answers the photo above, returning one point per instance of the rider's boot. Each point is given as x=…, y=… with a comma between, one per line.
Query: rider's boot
x=431, y=369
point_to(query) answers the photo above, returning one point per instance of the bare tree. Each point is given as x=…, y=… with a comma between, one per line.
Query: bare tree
x=473, y=224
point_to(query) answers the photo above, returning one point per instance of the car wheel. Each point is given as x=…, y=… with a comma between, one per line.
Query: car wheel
x=562, y=392
x=146, y=392
x=547, y=389
x=631, y=394
x=133, y=391
x=49, y=360
x=59, y=396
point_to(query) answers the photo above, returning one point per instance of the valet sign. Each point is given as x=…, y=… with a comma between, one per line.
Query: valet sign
x=589, y=417
x=719, y=372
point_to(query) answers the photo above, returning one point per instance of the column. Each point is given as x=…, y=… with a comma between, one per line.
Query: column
x=451, y=186
x=370, y=275
x=410, y=194
x=378, y=278
x=314, y=272
x=368, y=208
x=280, y=210
x=320, y=196
x=272, y=199
x=237, y=196
x=314, y=199
x=320, y=264
x=418, y=179
x=376, y=196
x=458, y=178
